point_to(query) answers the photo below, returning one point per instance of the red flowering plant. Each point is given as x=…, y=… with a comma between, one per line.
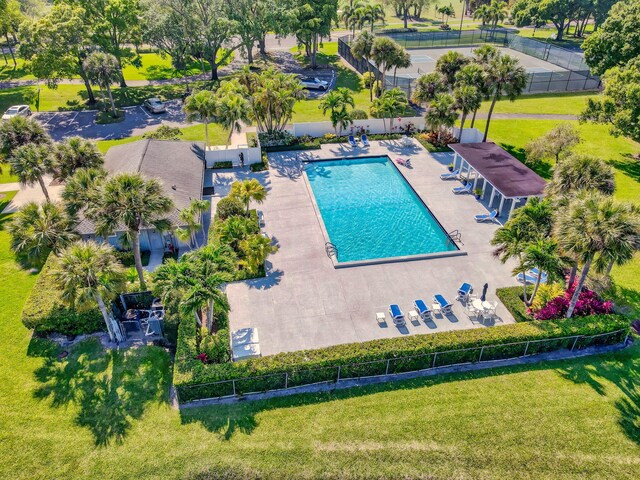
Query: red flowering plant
x=589, y=303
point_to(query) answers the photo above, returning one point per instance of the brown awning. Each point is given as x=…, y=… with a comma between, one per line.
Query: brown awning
x=506, y=173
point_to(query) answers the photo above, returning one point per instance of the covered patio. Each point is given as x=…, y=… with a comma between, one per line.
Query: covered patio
x=489, y=165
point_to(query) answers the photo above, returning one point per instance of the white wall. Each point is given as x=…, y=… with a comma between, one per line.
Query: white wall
x=232, y=154
x=374, y=125
x=469, y=135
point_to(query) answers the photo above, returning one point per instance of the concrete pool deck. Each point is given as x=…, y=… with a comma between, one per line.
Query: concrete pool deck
x=305, y=303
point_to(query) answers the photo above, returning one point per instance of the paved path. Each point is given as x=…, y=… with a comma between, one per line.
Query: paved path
x=9, y=187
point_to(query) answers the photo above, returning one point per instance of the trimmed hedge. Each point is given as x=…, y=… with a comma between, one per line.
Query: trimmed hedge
x=45, y=311
x=310, y=366
x=511, y=297
x=222, y=165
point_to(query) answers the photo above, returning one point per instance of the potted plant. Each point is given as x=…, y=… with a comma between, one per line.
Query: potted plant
x=450, y=167
x=478, y=193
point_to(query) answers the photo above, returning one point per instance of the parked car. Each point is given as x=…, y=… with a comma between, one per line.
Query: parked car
x=155, y=105
x=17, y=111
x=313, y=83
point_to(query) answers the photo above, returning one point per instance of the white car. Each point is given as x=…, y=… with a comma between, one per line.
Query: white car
x=155, y=105
x=313, y=83
x=17, y=111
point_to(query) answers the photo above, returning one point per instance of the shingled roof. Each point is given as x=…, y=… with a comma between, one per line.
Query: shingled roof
x=177, y=165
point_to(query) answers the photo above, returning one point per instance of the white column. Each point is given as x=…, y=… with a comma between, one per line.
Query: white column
x=493, y=194
x=513, y=206
x=468, y=173
x=501, y=204
x=484, y=187
x=475, y=181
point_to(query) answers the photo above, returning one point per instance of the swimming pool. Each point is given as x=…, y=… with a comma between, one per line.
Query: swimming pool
x=370, y=212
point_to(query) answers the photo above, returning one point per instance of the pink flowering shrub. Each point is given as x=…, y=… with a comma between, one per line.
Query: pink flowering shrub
x=589, y=303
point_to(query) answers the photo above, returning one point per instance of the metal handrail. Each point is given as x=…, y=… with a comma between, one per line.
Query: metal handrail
x=331, y=249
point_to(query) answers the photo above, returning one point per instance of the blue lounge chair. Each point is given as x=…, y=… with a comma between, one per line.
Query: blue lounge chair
x=396, y=315
x=422, y=309
x=487, y=217
x=450, y=175
x=365, y=140
x=464, y=291
x=444, y=305
x=466, y=189
x=352, y=141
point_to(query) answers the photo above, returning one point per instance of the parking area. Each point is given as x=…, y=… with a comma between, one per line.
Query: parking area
x=137, y=121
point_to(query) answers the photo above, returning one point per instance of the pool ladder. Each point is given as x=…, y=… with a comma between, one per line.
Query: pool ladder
x=455, y=236
x=331, y=249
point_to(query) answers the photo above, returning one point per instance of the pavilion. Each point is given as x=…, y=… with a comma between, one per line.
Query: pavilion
x=507, y=176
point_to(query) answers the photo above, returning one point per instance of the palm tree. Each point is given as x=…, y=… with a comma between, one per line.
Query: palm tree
x=597, y=229
x=485, y=54
x=351, y=14
x=449, y=64
x=361, y=49
x=473, y=75
x=194, y=281
x=36, y=230
x=483, y=13
x=428, y=86
x=89, y=272
x=18, y=131
x=75, y=153
x=337, y=102
x=505, y=76
x=391, y=104
x=371, y=13
x=468, y=99
x=233, y=230
x=231, y=111
x=82, y=189
x=255, y=251
x=103, y=70
x=201, y=105
x=131, y=201
x=383, y=53
x=190, y=218
x=446, y=11
x=402, y=60
x=497, y=12
x=581, y=172
x=30, y=163
x=247, y=190
x=541, y=255
x=441, y=113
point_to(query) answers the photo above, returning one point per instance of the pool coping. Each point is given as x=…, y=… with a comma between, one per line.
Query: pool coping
x=376, y=261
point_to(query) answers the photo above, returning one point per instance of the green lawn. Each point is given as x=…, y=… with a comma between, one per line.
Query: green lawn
x=10, y=72
x=572, y=103
x=5, y=175
x=596, y=140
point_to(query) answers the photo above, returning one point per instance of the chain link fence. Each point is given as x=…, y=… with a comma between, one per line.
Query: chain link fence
x=574, y=78
x=393, y=366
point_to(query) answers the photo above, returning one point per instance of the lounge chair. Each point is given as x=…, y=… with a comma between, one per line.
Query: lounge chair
x=352, y=141
x=396, y=315
x=464, y=291
x=487, y=217
x=450, y=175
x=403, y=162
x=422, y=309
x=531, y=277
x=365, y=140
x=444, y=305
x=466, y=189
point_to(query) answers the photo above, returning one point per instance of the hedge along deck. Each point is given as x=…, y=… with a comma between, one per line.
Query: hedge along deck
x=193, y=380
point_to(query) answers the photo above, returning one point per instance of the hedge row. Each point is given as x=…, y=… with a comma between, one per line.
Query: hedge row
x=370, y=358
x=511, y=297
x=46, y=312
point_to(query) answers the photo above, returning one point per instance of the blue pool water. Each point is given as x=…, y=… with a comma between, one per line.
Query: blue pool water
x=370, y=212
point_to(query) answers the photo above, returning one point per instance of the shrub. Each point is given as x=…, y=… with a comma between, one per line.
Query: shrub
x=432, y=138
x=307, y=366
x=358, y=114
x=164, y=132
x=589, y=303
x=221, y=165
x=546, y=293
x=273, y=139
x=215, y=345
x=229, y=207
x=329, y=137
x=46, y=312
x=261, y=166
x=367, y=79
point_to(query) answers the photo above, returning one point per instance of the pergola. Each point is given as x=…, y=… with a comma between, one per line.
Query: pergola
x=507, y=176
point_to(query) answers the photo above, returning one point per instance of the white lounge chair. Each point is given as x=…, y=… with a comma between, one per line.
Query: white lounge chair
x=450, y=175
x=487, y=217
x=466, y=189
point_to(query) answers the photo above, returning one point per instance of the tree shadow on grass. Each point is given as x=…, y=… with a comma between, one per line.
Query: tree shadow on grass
x=543, y=168
x=226, y=420
x=111, y=388
x=630, y=166
x=626, y=378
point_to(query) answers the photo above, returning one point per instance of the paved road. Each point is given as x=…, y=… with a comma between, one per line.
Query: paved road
x=137, y=121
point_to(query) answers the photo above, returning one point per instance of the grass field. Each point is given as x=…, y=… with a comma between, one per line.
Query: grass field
x=97, y=414
x=5, y=175
x=572, y=103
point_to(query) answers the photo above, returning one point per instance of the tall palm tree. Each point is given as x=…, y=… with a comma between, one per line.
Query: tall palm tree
x=449, y=65
x=233, y=230
x=581, y=172
x=428, y=86
x=446, y=11
x=383, y=53
x=541, y=255
x=30, y=163
x=473, y=75
x=497, y=13
x=201, y=105
x=247, y=190
x=337, y=102
x=256, y=249
x=468, y=99
x=351, y=15
x=391, y=104
x=361, y=48
x=485, y=54
x=597, y=229
x=131, y=201
x=371, y=13
x=402, y=60
x=89, y=272
x=18, y=131
x=82, y=189
x=103, y=70
x=483, y=12
x=231, y=111
x=190, y=217
x=75, y=153
x=441, y=113
x=505, y=76
x=36, y=230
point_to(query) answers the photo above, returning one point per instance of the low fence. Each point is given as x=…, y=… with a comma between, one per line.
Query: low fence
x=393, y=366
x=231, y=154
x=575, y=76
x=370, y=125
x=469, y=135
